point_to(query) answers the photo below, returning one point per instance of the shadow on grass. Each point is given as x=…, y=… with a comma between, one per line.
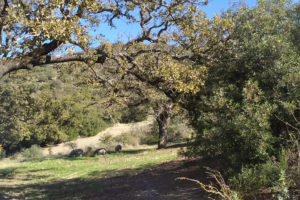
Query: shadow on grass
x=130, y=151
x=8, y=172
x=180, y=145
x=150, y=182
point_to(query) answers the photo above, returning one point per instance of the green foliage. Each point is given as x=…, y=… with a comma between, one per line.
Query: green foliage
x=34, y=152
x=107, y=142
x=34, y=112
x=295, y=15
x=150, y=137
x=127, y=139
x=179, y=128
x=134, y=114
x=239, y=133
x=281, y=186
x=2, y=153
x=251, y=179
x=249, y=109
x=238, y=79
x=272, y=173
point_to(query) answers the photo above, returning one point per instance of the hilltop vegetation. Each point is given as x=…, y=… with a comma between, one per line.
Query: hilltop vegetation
x=48, y=106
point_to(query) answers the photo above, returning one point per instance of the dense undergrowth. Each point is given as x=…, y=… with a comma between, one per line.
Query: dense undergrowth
x=247, y=116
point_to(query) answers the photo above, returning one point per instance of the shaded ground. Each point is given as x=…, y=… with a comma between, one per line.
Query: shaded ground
x=131, y=174
x=157, y=183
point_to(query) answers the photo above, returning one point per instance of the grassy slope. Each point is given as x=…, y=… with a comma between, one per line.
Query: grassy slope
x=74, y=178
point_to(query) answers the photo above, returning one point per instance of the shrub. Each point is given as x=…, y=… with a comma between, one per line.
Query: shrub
x=106, y=141
x=73, y=145
x=178, y=129
x=281, y=186
x=150, y=137
x=89, y=152
x=34, y=152
x=127, y=139
x=2, y=153
x=251, y=180
x=241, y=116
x=272, y=174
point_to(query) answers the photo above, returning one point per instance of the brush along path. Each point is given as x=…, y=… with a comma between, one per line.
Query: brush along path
x=83, y=143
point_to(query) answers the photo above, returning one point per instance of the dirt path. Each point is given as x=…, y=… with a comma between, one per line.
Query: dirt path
x=157, y=183
x=82, y=143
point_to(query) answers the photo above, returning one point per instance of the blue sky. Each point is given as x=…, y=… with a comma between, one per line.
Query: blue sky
x=216, y=6
x=125, y=31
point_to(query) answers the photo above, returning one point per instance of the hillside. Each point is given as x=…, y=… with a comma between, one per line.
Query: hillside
x=93, y=141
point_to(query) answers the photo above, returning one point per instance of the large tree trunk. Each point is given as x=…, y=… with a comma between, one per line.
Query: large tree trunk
x=162, y=120
x=162, y=115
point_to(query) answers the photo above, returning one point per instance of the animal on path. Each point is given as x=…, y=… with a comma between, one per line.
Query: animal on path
x=76, y=153
x=118, y=148
x=100, y=151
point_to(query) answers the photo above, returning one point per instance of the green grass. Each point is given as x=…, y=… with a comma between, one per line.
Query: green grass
x=74, y=178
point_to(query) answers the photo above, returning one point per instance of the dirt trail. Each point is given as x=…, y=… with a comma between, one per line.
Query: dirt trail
x=117, y=129
x=157, y=183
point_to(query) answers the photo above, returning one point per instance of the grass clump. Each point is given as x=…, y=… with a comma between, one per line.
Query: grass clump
x=34, y=152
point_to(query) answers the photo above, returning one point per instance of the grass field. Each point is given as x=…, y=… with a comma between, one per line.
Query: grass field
x=74, y=178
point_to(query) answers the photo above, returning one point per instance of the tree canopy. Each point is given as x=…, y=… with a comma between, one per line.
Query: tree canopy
x=31, y=31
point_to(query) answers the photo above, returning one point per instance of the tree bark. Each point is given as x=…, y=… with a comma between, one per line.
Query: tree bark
x=162, y=118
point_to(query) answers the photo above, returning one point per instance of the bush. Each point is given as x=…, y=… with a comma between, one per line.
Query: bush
x=133, y=137
x=89, y=152
x=34, y=152
x=150, y=137
x=272, y=174
x=251, y=180
x=2, y=153
x=178, y=129
x=106, y=141
x=127, y=139
x=242, y=116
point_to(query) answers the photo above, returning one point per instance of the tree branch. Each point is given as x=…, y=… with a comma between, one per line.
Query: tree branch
x=28, y=62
